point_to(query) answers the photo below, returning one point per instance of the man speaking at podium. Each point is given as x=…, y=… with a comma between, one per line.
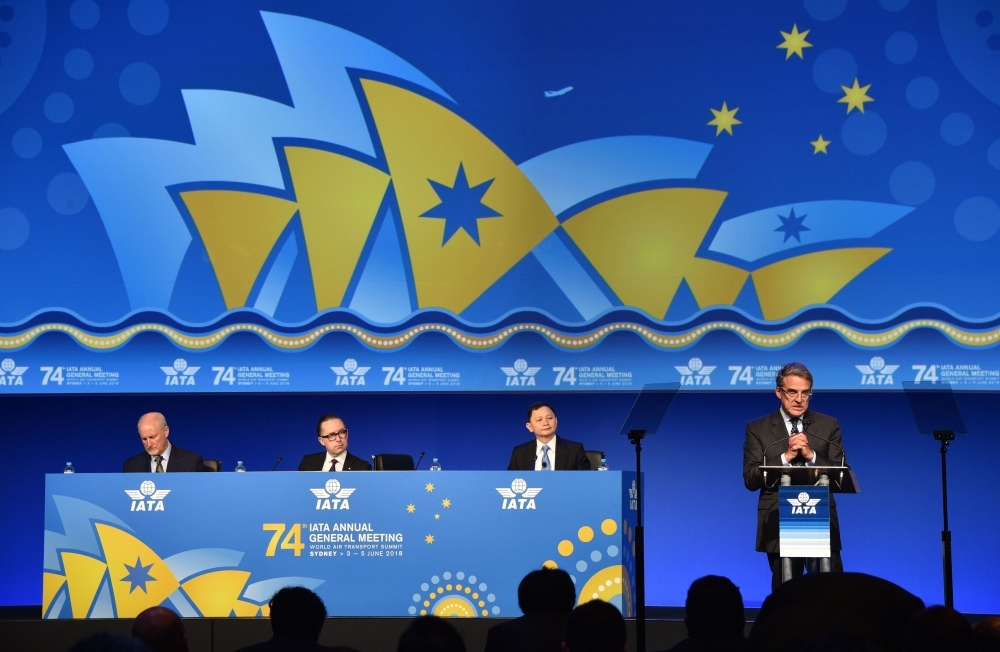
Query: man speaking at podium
x=333, y=437
x=547, y=452
x=160, y=455
x=792, y=436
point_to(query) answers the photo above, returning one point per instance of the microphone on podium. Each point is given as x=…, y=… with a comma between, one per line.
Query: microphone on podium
x=417, y=465
x=280, y=457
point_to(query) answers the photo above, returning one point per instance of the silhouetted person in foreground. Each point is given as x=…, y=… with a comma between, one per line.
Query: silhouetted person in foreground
x=595, y=626
x=430, y=634
x=808, y=609
x=297, y=617
x=161, y=630
x=713, y=614
x=546, y=598
x=987, y=634
x=938, y=629
x=104, y=642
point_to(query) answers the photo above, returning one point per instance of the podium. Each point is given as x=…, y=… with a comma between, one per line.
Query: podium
x=804, y=509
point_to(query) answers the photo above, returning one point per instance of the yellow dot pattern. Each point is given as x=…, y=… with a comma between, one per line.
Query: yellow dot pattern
x=480, y=342
x=550, y=564
x=585, y=534
x=608, y=526
x=565, y=548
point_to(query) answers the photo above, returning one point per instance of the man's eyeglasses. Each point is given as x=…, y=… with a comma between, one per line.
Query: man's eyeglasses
x=793, y=394
x=340, y=434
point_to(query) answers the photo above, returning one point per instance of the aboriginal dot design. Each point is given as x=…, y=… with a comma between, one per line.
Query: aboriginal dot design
x=596, y=563
x=454, y=595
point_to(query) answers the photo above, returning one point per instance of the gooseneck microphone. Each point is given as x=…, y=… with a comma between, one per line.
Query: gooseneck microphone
x=280, y=457
x=843, y=453
x=417, y=465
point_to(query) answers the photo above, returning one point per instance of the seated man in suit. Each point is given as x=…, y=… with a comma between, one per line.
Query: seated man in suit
x=544, y=452
x=333, y=437
x=160, y=455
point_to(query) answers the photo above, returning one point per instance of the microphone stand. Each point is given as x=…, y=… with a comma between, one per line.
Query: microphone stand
x=636, y=437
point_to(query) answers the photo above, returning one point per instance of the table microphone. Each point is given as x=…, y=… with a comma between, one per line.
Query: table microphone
x=280, y=457
x=417, y=465
x=843, y=453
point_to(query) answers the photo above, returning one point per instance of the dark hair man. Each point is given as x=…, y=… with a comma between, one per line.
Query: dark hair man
x=333, y=437
x=297, y=618
x=161, y=630
x=430, y=634
x=800, y=437
x=937, y=629
x=546, y=598
x=595, y=626
x=547, y=451
x=713, y=614
x=160, y=455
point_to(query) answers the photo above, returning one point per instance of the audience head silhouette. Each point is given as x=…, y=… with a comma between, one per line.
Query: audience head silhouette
x=938, y=628
x=714, y=606
x=297, y=613
x=430, y=634
x=548, y=589
x=161, y=630
x=595, y=626
x=987, y=634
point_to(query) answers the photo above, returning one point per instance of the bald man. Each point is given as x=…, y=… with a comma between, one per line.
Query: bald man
x=161, y=630
x=160, y=456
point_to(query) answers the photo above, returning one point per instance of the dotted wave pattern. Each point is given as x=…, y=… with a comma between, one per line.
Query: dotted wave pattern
x=480, y=342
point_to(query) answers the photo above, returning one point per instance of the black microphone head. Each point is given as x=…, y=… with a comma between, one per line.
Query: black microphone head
x=545, y=465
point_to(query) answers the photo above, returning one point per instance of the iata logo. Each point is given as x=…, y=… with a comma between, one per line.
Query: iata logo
x=876, y=372
x=519, y=496
x=633, y=497
x=332, y=496
x=520, y=375
x=180, y=373
x=10, y=373
x=804, y=504
x=695, y=373
x=350, y=373
x=147, y=498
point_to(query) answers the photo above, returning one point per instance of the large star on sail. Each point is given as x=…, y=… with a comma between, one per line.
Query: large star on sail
x=795, y=41
x=461, y=206
x=138, y=576
x=792, y=226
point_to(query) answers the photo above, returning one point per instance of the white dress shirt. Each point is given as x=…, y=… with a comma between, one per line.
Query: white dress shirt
x=340, y=461
x=788, y=429
x=166, y=457
x=539, y=454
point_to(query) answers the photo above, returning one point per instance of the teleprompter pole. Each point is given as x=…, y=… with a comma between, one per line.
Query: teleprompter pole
x=636, y=436
x=946, y=437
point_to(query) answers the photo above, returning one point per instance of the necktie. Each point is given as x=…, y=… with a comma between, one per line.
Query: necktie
x=333, y=464
x=795, y=425
x=159, y=463
x=546, y=463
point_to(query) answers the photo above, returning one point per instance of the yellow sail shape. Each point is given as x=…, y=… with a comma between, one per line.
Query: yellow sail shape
x=83, y=575
x=139, y=577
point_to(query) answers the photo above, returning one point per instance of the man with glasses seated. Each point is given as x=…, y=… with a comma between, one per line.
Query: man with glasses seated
x=333, y=437
x=799, y=437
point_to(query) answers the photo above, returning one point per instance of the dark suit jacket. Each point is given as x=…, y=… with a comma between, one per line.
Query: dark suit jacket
x=314, y=462
x=767, y=430
x=542, y=631
x=570, y=456
x=180, y=460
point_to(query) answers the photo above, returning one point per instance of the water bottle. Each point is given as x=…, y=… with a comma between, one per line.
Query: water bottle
x=435, y=465
x=604, y=464
x=240, y=468
x=69, y=468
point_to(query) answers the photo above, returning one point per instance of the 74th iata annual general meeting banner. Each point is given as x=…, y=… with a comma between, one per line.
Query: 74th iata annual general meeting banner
x=454, y=543
x=346, y=202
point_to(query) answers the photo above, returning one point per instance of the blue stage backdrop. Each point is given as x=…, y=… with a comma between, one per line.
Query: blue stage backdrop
x=699, y=517
x=299, y=196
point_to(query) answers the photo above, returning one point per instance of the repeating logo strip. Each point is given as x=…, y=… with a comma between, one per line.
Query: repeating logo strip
x=484, y=342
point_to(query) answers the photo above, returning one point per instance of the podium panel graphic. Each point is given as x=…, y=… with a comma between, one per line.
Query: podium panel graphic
x=370, y=544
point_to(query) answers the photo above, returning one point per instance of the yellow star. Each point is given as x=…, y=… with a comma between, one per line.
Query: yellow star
x=794, y=42
x=429, y=487
x=429, y=538
x=856, y=96
x=724, y=119
x=411, y=508
x=446, y=503
x=819, y=145
x=436, y=516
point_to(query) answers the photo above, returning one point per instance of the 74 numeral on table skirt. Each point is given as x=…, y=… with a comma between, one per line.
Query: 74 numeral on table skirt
x=292, y=540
